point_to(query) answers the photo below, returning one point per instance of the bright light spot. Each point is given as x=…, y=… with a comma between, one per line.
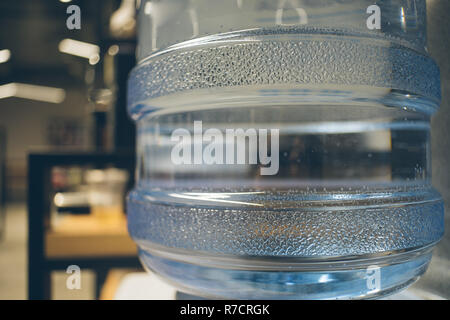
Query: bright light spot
x=148, y=8
x=94, y=59
x=80, y=49
x=403, y=18
x=215, y=197
x=8, y=90
x=113, y=50
x=59, y=199
x=4, y=55
x=32, y=92
x=324, y=278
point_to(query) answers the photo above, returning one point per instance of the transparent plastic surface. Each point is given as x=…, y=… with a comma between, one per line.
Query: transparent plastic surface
x=170, y=22
x=285, y=161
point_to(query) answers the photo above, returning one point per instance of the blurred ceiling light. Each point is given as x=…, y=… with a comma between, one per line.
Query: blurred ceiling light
x=94, y=59
x=113, y=50
x=80, y=49
x=148, y=8
x=122, y=23
x=65, y=1
x=7, y=90
x=4, y=55
x=32, y=92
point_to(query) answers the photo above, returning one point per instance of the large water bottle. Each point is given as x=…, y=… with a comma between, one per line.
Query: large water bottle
x=283, y=147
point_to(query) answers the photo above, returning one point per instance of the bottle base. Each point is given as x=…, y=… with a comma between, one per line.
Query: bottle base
x=368, y=278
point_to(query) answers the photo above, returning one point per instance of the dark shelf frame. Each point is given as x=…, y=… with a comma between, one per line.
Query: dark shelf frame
x=39, y=266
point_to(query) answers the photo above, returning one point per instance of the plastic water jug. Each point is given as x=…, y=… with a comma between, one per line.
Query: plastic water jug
x=283, y=147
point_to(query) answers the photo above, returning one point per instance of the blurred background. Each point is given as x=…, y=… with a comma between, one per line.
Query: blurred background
x=67, y=147
x=63, y=112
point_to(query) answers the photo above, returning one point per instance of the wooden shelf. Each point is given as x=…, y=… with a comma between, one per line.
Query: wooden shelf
x=89, y=237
